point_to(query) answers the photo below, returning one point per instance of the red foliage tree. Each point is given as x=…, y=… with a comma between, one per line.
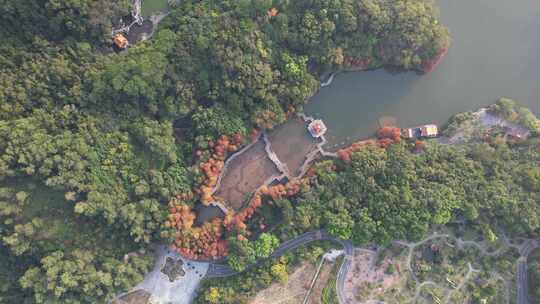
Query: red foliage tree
x=392, y=133
x=204, y=242
x=419, y=146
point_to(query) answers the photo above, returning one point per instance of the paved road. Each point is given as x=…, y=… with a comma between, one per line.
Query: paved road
x=522, y=277
x=216, y=270
x=220, y=270
x=343, y=270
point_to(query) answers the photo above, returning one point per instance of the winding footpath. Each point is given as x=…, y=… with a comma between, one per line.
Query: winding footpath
x=220, y=270
x=137, y=18
x=157, y=283
x=217, y=270
x=528, y=246
x=343, y=270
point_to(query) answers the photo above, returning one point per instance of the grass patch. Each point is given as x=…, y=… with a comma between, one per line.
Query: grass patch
x=329, y=293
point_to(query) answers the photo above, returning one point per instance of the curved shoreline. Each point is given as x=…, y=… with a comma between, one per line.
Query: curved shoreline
x=329, y=80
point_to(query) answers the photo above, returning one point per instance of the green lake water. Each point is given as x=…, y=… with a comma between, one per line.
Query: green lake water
x=150, y=7
x=495, y=53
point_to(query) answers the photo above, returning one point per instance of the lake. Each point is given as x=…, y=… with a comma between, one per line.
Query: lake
x=494, y=53
x=207, y=213
x=150, y=7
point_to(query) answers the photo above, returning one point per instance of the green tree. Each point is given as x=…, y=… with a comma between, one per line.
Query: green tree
x=158, y=137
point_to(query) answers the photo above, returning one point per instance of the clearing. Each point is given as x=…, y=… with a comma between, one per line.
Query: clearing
x=244, y=173
x=296, y=288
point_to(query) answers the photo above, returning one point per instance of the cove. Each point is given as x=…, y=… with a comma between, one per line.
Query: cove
x=495, y=53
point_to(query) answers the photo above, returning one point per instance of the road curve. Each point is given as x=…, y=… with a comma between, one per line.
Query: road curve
x=522, y=275
x=217, y=270
x=343, y=270
x=221, y=271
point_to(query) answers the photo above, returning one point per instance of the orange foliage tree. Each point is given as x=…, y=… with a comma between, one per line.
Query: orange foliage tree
x=419, y=146
x=357, y=63
x=346, y=153
x=386, y=136
x=392, y=133
x=212, y=167
x=204, y=242
x=237, y=220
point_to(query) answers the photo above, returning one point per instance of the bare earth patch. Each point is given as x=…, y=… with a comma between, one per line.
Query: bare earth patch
x=322, y=280
x=244, y=174
x=366, y=280
x=297, y=287
x=293, y=292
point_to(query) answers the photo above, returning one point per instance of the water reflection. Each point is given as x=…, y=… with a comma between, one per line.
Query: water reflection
x=207, y=213
x=494, y=54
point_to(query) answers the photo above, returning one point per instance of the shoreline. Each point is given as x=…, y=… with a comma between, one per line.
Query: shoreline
x=481, y=116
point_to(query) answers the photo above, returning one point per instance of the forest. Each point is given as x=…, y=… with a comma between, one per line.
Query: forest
x=95, y=145
x=534, y=276
x=378, y=193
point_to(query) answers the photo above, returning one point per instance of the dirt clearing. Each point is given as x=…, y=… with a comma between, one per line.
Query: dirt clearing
x=244, y=174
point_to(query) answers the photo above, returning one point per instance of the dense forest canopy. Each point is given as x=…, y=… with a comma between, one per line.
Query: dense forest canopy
x=59, y=21
x=390, y=194
x=534, y=276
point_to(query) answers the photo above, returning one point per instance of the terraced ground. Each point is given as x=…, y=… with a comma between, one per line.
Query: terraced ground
x=292, y=143
x=245, y=173
x=282, y=152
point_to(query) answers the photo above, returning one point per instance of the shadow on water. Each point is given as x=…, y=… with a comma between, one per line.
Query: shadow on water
x=494, y=53
x=138, y=33
x=207, y=213
x=354, y=101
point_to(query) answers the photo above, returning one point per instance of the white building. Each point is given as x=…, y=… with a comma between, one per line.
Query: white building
x=317, y=128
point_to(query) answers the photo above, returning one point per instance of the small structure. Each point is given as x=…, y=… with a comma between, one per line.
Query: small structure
x=272, y=12
x=173, y=269
x=429, y=131
x=120, y=41
x=317, y=128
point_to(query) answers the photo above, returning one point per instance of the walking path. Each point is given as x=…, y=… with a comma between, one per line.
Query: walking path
x=157, y=284
x=317, y=272
x=137, y=18
x=460, y=245
x=220, y=270
x=522, y=275
x=217, y=270
x=281, y=147
x=467, y=278
x=182, y=290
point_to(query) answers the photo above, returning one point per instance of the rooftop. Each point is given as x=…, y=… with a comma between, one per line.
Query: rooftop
x=317, y=128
